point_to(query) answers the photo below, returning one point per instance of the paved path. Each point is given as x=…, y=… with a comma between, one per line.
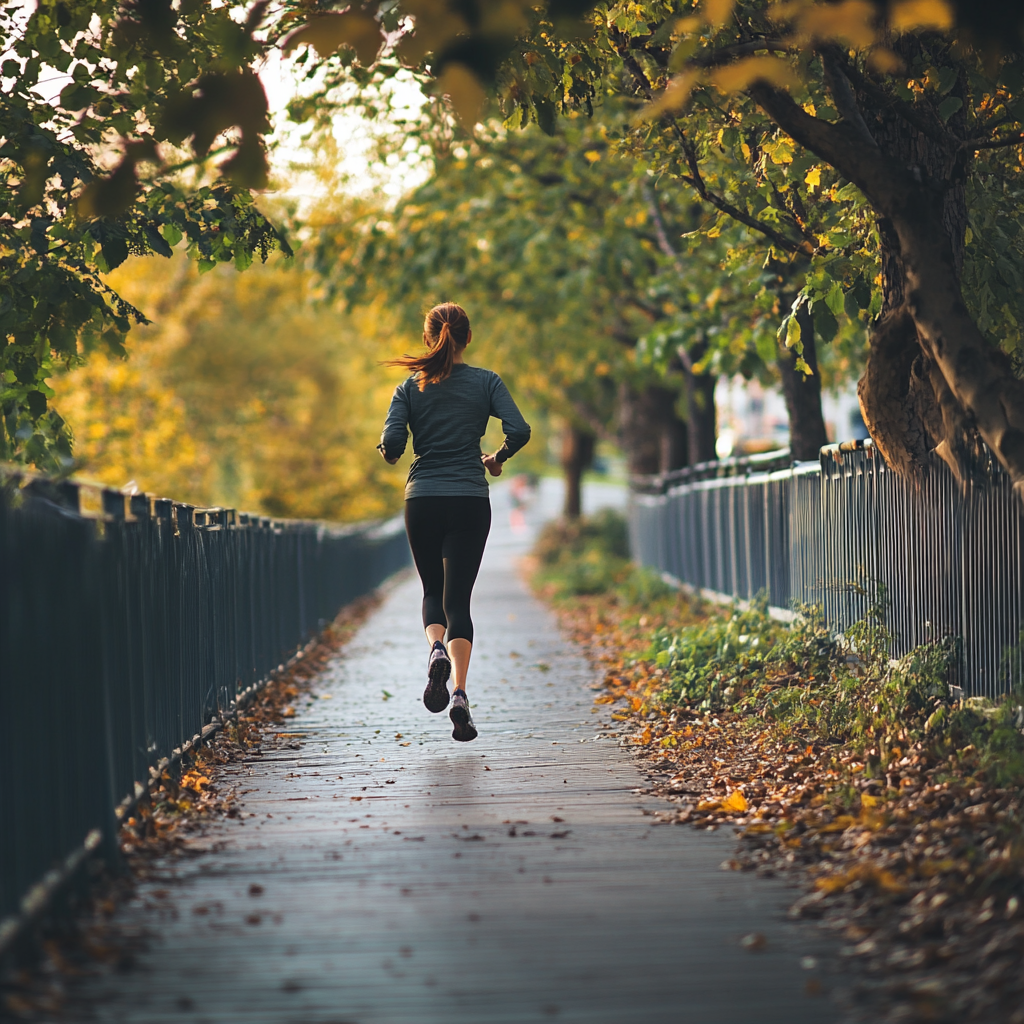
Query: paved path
x=410, y=880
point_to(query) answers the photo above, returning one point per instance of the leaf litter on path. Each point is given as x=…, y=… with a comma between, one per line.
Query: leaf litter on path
x=920, y=873
x=168, y=823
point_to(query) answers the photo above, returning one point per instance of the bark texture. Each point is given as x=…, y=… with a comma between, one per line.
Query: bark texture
x=652, y=435
x=577, y=458
x=913, y=176
x=700, y=403
x=701, y=416
x=803, y=394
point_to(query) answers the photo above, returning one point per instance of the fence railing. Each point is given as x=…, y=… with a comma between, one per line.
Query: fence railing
x=129, y=624
x=843, y=531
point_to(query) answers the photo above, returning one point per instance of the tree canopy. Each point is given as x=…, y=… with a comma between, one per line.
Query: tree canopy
x=857, y=139
x=865, y=151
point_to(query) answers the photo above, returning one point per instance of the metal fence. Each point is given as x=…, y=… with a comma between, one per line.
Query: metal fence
x=127, y=624
x=842, y=531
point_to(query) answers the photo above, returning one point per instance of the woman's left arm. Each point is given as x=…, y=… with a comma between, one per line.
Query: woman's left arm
x=395, y=435
x=517, y=430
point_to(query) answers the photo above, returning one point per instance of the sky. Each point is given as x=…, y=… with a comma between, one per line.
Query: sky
x=354, y=135
x=359, y=171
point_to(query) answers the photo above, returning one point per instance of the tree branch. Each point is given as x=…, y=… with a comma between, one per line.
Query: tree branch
x=842, y=94
x=728, y=53
x=1006, y=140
x=881, y=179
x=695, y=180
x=659, y=227
x=906, y=110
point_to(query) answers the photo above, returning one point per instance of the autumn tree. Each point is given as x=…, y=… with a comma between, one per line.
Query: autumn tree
x=855, y=137
x=549, y=242
x=896, y=110
x=128, y=128
x=116, y=163
x=242, y=392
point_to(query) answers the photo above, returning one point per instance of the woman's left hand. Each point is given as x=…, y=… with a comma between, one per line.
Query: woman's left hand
x=492, y=465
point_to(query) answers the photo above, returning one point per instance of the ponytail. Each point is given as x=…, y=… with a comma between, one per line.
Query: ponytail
x=445, y=332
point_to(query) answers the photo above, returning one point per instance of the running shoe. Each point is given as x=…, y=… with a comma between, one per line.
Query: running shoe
x=439, y=668
x=464, y=730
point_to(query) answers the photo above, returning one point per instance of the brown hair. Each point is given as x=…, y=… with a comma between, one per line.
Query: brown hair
x=445, y=330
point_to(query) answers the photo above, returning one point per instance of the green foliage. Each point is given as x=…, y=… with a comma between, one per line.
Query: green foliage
x=547, y=241
x=152, y=75
x=820, y=687
x=719, y=662
x=790, y=227
x=590, y=556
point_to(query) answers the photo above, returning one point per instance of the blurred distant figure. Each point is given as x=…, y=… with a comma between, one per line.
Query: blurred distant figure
x=524, y=490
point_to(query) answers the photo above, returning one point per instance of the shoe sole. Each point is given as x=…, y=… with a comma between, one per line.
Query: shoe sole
x=436, y=696
x=464, y=730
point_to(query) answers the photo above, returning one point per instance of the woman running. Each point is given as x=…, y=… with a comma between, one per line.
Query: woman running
x=447, y=403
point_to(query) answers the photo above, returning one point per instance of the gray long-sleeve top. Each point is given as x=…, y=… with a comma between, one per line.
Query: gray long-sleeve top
x=447, y=421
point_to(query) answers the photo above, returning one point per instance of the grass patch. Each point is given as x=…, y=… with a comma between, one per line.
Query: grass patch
x=814, y=686
x=589, y=556
x=797, y=680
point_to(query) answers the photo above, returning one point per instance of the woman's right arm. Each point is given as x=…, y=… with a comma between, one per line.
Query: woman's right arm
x=395, y=435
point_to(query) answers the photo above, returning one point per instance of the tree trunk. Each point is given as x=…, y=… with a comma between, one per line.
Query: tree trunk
x=577, y=458
x=700, y=404
x=701, y=417
x=803, y=394
x=914, y=182
x=653, y=437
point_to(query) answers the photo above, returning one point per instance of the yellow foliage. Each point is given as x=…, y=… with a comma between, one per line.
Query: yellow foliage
x=463, y=88
x=851, y=21
x=743, y=73
x=717, y=11
x=735, y=802
x=674, y=97
x=242, y=393
x=906, y=15
x=865, y=873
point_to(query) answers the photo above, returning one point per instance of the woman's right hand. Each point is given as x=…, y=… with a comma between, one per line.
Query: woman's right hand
x=492, y=465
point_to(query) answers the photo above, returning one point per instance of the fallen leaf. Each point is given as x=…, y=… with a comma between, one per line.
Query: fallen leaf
x=736, y=802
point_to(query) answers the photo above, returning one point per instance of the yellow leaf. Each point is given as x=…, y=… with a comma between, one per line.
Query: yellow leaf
x=905, y=15
x=841, y=824
x=741, y=75
x=675, y=96
x=709, y=805
x=736, y=801
x=851, y=21
x=464, y=90
x=435, y=26
x=717, y=11
x=327, y=33
x=867, y=800
x=884, y=61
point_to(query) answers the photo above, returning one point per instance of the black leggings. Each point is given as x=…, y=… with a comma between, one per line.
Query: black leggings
x=447, y=535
